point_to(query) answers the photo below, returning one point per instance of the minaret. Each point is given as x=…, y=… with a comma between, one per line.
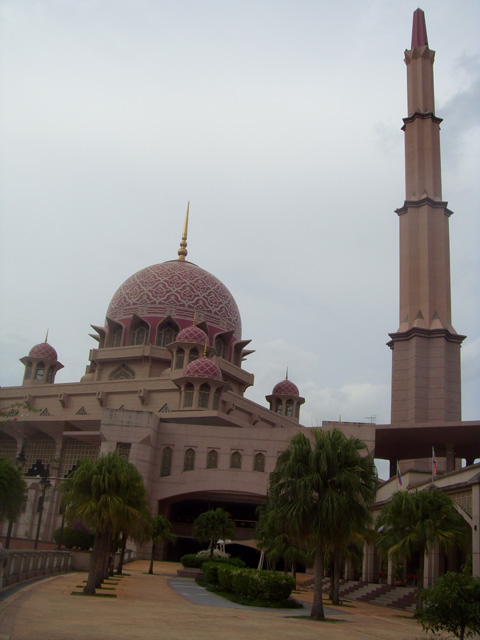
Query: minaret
x=426, y=347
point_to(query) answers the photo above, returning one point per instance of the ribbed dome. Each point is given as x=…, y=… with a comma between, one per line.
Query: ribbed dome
x=43, y=350
x=192, y=334
x=285, y=388
x=177, y=289
x=203, y=368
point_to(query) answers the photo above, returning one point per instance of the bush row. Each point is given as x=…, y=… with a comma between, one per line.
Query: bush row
x=194, y=561
x=249, y=584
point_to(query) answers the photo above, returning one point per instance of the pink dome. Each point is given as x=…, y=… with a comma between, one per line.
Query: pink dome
x=177, y=288
x=203, y=368
x=285, y=388
x=43, y=350
x=192, y=334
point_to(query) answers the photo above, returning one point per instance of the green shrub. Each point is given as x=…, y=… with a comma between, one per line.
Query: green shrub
x=452, y=605
x=251, y=584
x=74, y=538
x=225, y=577
x=191, y=561
x=210, y=572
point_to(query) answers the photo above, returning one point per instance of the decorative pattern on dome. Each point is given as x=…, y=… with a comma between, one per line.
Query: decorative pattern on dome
x=178, y=286
x=285, y=388
x=203, y=368
x=43, y=350
x=192, y=334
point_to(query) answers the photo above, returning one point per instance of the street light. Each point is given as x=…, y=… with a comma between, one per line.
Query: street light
x=20, y=461
x=45, y=484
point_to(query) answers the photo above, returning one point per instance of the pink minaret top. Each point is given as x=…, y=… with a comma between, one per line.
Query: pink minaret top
x=419, y=31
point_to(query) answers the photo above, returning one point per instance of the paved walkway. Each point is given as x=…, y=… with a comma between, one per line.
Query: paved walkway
x=170, y=608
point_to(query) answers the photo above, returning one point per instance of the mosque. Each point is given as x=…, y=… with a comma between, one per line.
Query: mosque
x=165, y=382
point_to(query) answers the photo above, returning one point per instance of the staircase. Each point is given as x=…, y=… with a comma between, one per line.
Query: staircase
x=379, y=594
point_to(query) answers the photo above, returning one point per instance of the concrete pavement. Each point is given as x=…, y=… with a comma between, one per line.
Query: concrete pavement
x=163, y=606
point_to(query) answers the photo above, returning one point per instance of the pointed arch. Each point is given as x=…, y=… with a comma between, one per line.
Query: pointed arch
x=122, y=372
x=189, y=460
x=212, y=459
x=166, y=464
x=167, y=331
x=139, y=331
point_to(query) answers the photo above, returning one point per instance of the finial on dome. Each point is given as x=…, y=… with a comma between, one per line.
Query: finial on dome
x=46, y=336
x=182, y=252
x=205, y=348
x=419, y=30
x=286, y=375
x=194, y=323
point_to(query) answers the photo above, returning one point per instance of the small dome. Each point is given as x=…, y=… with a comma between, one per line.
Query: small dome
x=192, y=334
x=285, y=388
x=43, y=350
x=203, y=368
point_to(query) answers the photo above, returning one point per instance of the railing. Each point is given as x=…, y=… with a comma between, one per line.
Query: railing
x=19, y=565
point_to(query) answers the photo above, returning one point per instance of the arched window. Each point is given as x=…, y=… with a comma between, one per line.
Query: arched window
x=123, y=372
x=139, y=335
x=259, y=462
x=216, y=399
x=193, y=355
x=189, y=460
x=40, y=370
x=289, y=408
x=50, y=374
x=278, y=406
x=179, y=358
x=28, y=371
x=219, y=347
x=188, y=395
x=203, y=396
x=117, y=337
x=166, y=334
x=235, y=460
x=166, y=464
x=297, y=411
x=212, y=459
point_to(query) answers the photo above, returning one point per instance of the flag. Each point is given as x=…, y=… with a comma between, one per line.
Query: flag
x=399, y=475
x=434, y=462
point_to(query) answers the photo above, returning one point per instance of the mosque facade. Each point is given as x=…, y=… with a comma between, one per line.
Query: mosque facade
x=165, y=384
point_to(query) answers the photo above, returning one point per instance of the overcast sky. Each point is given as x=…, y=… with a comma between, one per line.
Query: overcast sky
x=281, y=122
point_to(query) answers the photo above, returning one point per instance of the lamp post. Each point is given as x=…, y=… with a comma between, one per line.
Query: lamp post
x=20, y=461
x=45, y=484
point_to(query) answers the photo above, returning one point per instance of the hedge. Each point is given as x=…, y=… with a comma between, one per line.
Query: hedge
x=193, y=561
x=252, y=584
x=225, y=577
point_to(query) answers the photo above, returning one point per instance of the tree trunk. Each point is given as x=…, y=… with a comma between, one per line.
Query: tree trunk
x=96, y=564
x=150, y=571
x=317, y=606
x=421, y=571
x=336, y=576
x=331, y=569
x=122, y=553
x=102, y=564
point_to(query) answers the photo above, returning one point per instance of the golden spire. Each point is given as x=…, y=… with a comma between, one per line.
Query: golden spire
x=194, y=318
x=182, y=252
x=205, y=348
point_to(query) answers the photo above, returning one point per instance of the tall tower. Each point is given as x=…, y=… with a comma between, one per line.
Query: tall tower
x=426, y=347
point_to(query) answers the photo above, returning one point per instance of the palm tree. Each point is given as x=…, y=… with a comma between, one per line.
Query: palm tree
x=417, y=522
x=108, y=495
x=213, y=525
x=13, y=490
x=321, y=491
x=160, y=529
